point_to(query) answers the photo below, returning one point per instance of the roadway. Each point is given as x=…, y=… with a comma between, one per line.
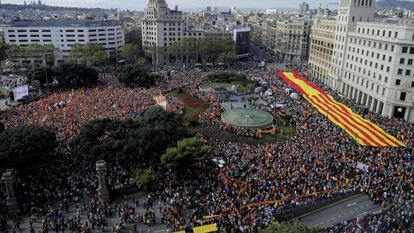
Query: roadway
x=261, y=53
x=340, y=211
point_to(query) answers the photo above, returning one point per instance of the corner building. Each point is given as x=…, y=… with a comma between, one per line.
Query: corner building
x=371, y=60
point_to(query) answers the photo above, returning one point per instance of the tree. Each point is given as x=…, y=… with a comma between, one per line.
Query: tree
x=43, y=74
x=290, y=227
x=145, y=179
x=95, y=54
x=75, y=55
x=87, y=54
x=2, y=127
x=3, y=51
x=26, y=146
x=134, y=36
x=74, y=76
x=228, y=58
x=186, y=157
x=132, y=53
x=136, y=76
x=207, y=49
x=141, y=140
x=45, y=52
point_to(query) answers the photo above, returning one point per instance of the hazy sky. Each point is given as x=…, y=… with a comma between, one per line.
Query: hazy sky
x=140, y=4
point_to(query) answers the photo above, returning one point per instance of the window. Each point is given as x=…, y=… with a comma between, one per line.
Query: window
x=412, y=50
x=402, y=60
x=412, y=84
x=410, y=62
x=397, y=82
x=407, y=72
x=404, y=49
x=403, y=95
x=400, y=71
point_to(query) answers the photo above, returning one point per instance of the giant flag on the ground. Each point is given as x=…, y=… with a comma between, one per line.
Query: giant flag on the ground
x=362, y=130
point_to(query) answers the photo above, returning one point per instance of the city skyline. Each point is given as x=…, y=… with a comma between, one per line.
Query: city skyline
x=140, y=4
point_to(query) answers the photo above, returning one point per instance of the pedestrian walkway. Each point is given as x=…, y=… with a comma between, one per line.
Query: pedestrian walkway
x=111, y=223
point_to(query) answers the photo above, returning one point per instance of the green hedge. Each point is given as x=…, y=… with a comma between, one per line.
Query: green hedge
x=226, y=76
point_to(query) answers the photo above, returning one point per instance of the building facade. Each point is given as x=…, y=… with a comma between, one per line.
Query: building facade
x=62, y=34
x=241, y=37
x=372, y=61
x=322, y=40
x=161, y=26
x=303, y=8
x=288, y=39
x=292, y=40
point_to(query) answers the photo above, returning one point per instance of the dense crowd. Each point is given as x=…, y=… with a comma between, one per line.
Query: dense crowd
x=12, y=81
x=255, y=184
x=65, y=112
x=260, y=181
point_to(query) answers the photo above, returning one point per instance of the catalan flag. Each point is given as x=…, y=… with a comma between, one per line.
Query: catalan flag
x=363, y=131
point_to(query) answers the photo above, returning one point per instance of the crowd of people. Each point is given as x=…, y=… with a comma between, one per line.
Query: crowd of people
x=252, y=186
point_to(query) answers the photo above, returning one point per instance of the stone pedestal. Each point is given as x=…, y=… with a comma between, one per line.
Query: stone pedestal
x=9, y=181
x=103, y=192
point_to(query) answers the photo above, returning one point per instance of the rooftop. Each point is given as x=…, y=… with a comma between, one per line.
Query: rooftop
x=64, y=23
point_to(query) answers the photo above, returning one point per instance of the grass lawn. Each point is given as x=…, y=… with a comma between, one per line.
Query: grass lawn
x=192, y=106
x=243, y=86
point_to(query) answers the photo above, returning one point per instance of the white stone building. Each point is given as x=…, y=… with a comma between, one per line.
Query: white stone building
x=62, y=34
x=372, y=61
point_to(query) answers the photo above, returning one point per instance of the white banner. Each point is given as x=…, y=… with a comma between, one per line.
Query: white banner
x=362, y=166
x=20, y=92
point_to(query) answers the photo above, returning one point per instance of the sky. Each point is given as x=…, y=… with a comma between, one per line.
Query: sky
x=140, y=4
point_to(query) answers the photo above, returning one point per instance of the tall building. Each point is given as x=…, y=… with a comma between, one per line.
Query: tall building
x=161, y=26
x=372, y=61
x=303, y=8
x=62, y=34
x=288, y=38
x=322, y=40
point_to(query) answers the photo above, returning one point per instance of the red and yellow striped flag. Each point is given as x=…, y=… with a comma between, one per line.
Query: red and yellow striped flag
x=362, y=130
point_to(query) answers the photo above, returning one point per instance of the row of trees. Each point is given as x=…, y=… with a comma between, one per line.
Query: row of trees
x=46, y=53
x=190, y=51
x=65, y=76
x=155, y=140
x=137, y=75
x=88, y=54
x=141, y=140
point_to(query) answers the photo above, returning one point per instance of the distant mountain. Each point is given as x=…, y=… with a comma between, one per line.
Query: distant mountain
x=17, y=7
x=396, y=4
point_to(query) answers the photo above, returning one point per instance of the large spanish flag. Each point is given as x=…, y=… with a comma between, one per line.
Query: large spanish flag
x=362, y=130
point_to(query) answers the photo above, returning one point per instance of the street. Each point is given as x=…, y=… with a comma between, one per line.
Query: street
x=340, y=211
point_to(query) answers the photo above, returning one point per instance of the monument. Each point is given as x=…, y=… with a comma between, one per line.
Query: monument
x=9, y=181
x=103, y=192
